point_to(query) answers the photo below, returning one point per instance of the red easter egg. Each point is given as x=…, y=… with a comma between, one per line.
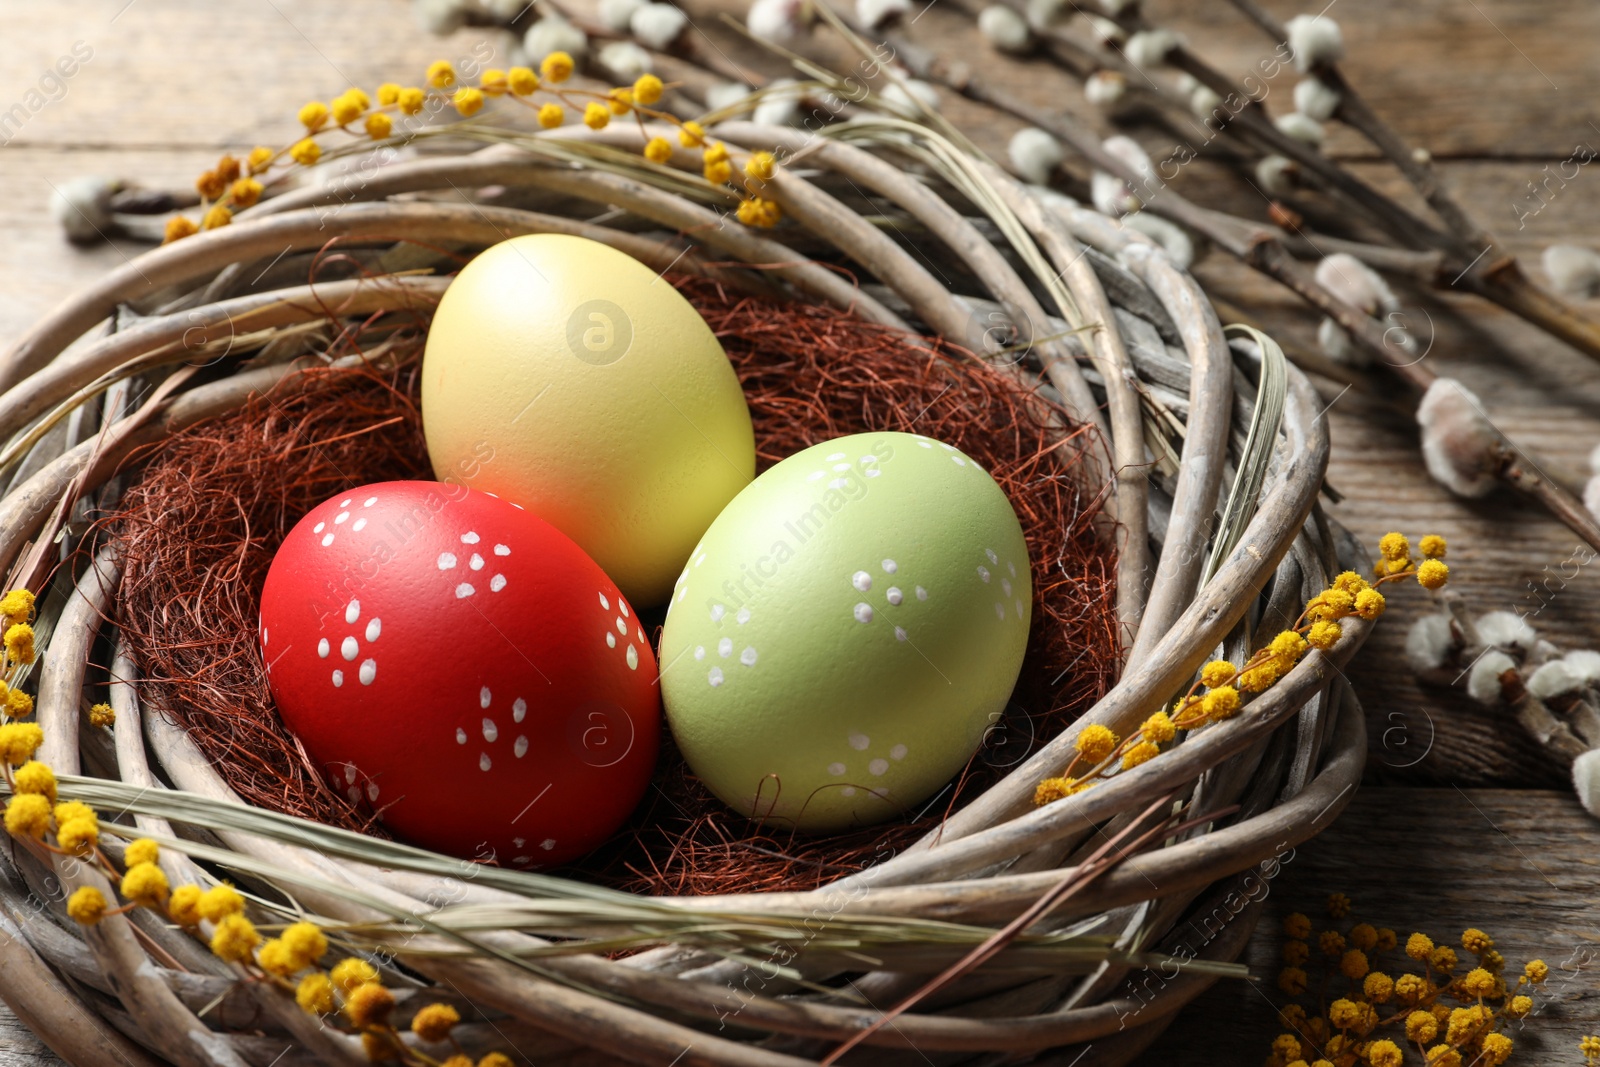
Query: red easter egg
x=464, y=669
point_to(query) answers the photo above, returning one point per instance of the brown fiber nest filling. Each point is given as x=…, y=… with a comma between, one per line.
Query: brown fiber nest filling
x=211, y=505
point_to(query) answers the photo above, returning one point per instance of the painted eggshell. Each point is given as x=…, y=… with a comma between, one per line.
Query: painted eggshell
x=847, y=630
x=459, y=666
x=568, y=377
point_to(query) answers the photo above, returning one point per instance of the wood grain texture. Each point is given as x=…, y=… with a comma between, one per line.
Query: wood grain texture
x=18, y=1046
x=1496, y=89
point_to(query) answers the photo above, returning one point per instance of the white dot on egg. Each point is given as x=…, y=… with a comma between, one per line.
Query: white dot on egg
x=548, y=843
x=840, y=467
x=947, y=447
x=861, y=580
x=699, y=651
x=484, y=697
x=1012, y=567
x=374, y=628
x=639, y=634
x=611, y=639
x=868, y=460
x=520, y=748
x=924, y=444
x=683, y=593
x=835, y=457
x=371, y=500
x=346, y=502
x=878, y=766
x=899, y=634
x=323, y=648
x=922, y=594
x=461, y=736
x=992, y=557
x=748, y=656
x=838, y=483
x=483, y=761
x=1018, y=605
x=341, y=518
x=354, y=794
x=717, y=612
x=701, y=558
x=725, y=647
x=469, y=538
x=605, y=604
x=890, y=566
x=319, y=527
x=983, y=572
x=715, y=676
x=464, y=590
x=743, y=616
x=897, y=752
x=959, y=461
x=359, y=524
x=894, y=596
x=491, y=732
x=1000, y=611
x=352, y=611
x=1005, y=586
x=633, y=658
x=859, y=742
x=502, y=550
x=872, y=472
x=816, y=476
x=622, y=626
x=372, y=791
x=349, y=774
x=848, y=791
x=369, y=671
x=497, y=583
x=622, y=606
x=349, y=649
x=327, y=539
x=338, y=679
x=476, y=562
x=447, y=560
x=836, y=769
x=863, y=612
x=519, y=708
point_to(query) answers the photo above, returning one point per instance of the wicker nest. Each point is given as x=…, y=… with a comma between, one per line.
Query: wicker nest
x=1004, y=930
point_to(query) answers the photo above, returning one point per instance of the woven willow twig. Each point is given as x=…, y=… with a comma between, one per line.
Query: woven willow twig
x=1145, y=332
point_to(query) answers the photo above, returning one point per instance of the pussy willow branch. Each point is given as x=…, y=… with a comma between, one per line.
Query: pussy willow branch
x=1477, y=262
x=1250, y=124
x=1259, y=247
x=1354, y=112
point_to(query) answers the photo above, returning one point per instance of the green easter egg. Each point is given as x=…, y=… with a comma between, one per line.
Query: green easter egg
x=846, y=631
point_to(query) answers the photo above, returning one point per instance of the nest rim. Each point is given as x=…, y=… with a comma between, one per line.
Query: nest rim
x=1281, y=542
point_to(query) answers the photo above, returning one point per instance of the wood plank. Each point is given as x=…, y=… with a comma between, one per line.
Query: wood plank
x=1461, y=79
x=164, y=73
x=1518, y=864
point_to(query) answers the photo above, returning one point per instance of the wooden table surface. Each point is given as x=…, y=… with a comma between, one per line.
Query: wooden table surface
x=1461, y=821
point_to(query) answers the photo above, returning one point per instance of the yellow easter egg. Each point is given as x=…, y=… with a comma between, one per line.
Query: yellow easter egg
x=572, y=380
